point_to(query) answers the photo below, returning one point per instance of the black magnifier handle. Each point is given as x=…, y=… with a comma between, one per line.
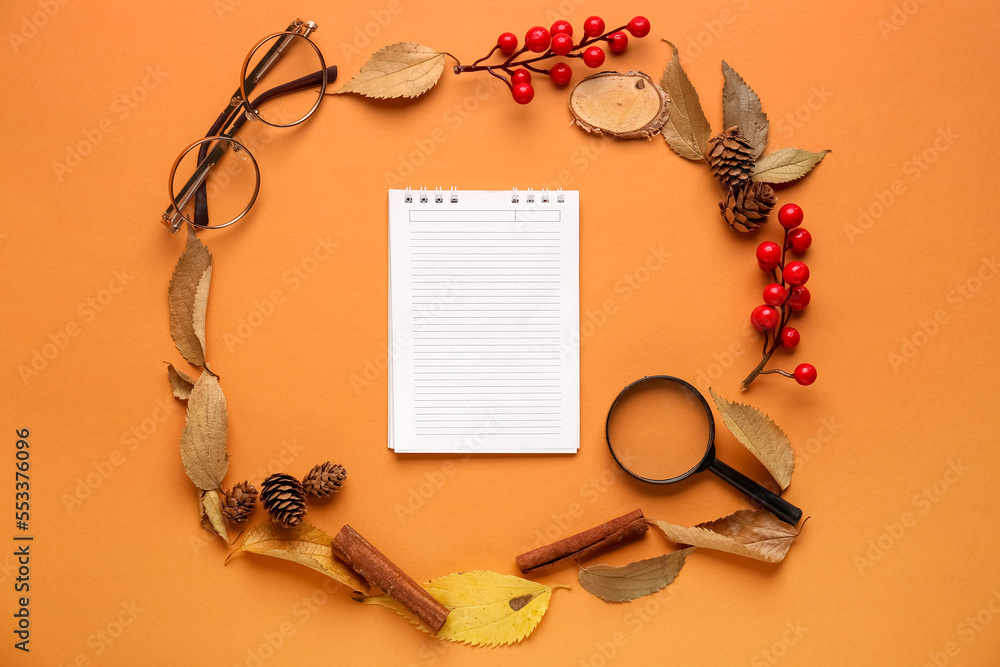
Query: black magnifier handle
x=774, y=504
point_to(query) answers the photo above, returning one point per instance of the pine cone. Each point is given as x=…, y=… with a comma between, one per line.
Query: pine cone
x=284, y=499
x=746, y=207
x=324, y=479
x=239, y=503
x=730, y=156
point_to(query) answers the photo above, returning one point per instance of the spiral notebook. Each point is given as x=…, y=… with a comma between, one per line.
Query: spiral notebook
x=484, y=311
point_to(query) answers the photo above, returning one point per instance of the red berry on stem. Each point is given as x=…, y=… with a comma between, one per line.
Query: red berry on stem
x=537, y=39
x=805, y=374
x=593, y=26
x=593, y=57
x=522, y=92
x=639, y=26
x=768, y=255
x=774, y=295
x=790, y=216
x=618, y=41
x=799, y=240
x=520, y=75
x=561, y=27
x=561, y=44
x=507, y=42
x=798, y=297
x=764, y=318
x=789, y=338
x=561, y=73
x=796, y=273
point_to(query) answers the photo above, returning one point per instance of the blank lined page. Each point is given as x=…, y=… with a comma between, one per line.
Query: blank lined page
x=484, y=312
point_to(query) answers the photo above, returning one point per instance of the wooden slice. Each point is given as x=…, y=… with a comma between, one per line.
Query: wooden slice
x=625, y=105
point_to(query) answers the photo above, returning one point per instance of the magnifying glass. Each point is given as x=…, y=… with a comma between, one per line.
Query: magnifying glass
x=655, y=430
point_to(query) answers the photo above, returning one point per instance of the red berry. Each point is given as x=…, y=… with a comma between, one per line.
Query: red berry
x=764, y=318
x=561, y=73
x=618, y=41
x=593, y=26
x=520, y=75
x=523, y=92
x=796, y=273
x=798, y=297
x=639, y=26
x=507, y=42
x=593, y=57
x=561, y=44
x=537, y=39
x=790, y=216
x=768, y=255
x=561, y=27
x=789, y=338
x=799, y=240
x=805, y=374
x=774, y=295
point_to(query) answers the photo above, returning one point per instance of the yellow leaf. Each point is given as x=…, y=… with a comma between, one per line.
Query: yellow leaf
x=741, y=107
x=628, y=582
x=486, y=608
x=304, y=544
x=203, y=442
x=761, y=436
x=403, y=69
x=181, y=383
x=752, y=533
x=211, y=514
x=785, y=165
x=687, y=130
x=182, y=296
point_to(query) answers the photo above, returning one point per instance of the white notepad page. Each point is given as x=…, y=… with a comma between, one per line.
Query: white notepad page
x=484, y=311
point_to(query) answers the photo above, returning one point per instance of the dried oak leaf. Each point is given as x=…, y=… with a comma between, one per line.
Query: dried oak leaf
x=755, y=534
x=628, y=582
x=786, y=165
x=187, y=297
x=741, y=106
x=304, y=544
x=687, y=130
x=203, y=442
x=181, y=383
x=211, y=514
x=761, y=436
x=486, y=608
x=403, y=69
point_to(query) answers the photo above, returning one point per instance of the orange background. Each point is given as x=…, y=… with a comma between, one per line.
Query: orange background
x=903, y=93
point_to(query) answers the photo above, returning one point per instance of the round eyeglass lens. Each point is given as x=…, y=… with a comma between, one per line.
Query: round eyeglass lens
x=271, y=79
x=230, y=178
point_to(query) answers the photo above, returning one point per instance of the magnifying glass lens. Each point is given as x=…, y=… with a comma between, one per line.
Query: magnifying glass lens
x=658, y=429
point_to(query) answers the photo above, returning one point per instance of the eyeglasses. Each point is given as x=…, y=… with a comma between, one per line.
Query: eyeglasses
x=223, y=168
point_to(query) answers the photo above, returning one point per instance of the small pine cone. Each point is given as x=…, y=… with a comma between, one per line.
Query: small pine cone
x=730, y=156
x=324, y=479
x=284, y=499
x=746, y=207
x=239, y=503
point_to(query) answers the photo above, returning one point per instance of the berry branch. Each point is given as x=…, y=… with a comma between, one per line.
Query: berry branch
x=783, y=297
x=554, y=42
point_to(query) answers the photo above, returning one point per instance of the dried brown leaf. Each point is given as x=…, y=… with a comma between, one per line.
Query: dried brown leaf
x=785, y=165
x=304, y=544
x=403, y=69
x=182, y=295
x=203, y=442
x=628, y=582
x=755, y=534
x=181, y=383
x=761, y=436
x=687, y=130
x=211, y=514
x=741, y=106
x=200, y=307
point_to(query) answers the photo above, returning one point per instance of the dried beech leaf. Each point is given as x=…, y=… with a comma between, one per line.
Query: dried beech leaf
x=628, y=582
x=182, y=295
x=755, y=534
x=304, y=544
x=200, y=308
x=181, y=384
x=203, y=442
x=626, y=106
x=211, y=514
x=403, y=69
x=741, y=106
x=785, y=165
x=761, y=436
x=687, y=131
x=486, y=608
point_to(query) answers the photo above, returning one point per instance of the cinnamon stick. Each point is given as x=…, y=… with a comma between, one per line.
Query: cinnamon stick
x=373, y=565
x=584, y=544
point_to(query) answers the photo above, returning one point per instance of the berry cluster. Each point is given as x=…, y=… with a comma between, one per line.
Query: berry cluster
x=556, y=41
x=787, y=294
